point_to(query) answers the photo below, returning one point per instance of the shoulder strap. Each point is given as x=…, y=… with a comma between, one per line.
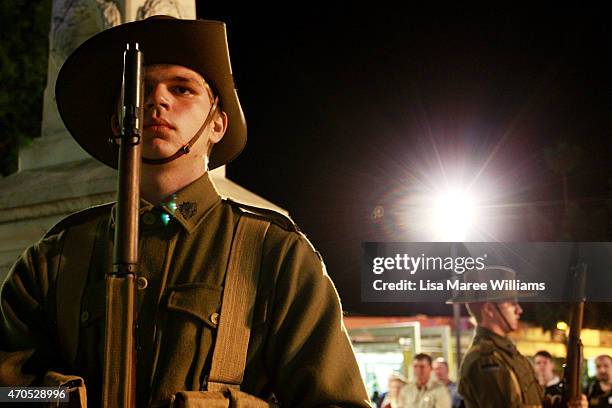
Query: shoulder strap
x=515, y=381
x=80, y=217
x=275, y=217
x=240, y=289
x=71, y=279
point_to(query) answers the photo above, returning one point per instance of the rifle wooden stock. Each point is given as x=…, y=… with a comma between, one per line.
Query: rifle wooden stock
x=119, y=380
x=572, y=381
x=119, y=377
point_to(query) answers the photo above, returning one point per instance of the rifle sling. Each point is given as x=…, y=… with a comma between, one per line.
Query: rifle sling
x=235, y=320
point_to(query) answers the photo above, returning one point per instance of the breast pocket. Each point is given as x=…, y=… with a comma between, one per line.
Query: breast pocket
x=195, y=301
x=190, y=333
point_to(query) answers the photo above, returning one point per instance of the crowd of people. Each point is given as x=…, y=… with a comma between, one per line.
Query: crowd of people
x=432, y=387
x=493, y=372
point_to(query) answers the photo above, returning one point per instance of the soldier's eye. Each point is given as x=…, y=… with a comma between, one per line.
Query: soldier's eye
x=183, y=90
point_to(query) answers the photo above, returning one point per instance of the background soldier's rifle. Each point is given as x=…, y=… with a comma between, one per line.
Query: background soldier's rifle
x=571, y=385
x=119, y=376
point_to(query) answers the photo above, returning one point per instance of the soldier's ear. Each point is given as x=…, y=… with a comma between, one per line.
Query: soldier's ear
x=487, y=310
x=219, y=126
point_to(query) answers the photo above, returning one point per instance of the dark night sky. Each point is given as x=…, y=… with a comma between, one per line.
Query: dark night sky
x=344, y=108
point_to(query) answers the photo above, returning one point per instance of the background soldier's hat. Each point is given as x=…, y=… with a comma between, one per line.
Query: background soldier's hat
x=485, y=275
x=90, y=79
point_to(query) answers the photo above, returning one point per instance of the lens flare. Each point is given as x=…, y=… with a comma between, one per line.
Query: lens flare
x=453, y=215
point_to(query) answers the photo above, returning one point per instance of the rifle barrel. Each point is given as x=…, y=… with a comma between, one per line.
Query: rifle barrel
x=119, y=375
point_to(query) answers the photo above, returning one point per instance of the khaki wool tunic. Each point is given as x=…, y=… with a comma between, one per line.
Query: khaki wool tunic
x=298, y=349
x=494, y=374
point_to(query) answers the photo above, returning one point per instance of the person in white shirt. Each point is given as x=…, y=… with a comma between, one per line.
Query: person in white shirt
x=440, y=368
x=425, y=391
x=390, y=398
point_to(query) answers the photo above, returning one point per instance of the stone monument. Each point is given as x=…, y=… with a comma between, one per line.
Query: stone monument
x=56, y=177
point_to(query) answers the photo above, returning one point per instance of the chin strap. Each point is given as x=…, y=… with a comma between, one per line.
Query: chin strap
x=187, y=147
x=502, y=316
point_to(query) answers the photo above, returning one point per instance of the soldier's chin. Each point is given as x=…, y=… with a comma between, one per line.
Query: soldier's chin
x=158, y=149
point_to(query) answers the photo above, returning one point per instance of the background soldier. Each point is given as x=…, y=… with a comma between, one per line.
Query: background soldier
x=52, y=325
x=494, y=374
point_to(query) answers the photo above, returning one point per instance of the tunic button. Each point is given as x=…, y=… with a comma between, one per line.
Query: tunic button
x=148, y=218
x=214, y=318
x=142, y=282
x=84, y=316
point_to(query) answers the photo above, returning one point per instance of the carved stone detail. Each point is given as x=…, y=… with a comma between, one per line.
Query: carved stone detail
x=154, y=7
x=74, y=21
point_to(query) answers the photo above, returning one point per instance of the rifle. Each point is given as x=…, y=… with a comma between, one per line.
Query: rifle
x=571, y=385
x=119, y=375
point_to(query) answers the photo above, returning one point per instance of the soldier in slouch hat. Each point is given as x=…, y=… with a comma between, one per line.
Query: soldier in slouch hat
x=52, y=302
x=494, y=374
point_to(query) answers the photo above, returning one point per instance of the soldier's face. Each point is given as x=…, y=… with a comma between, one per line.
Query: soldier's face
x=511, y=311
x=177, y=102
x=422, y=370
x=543, y=366
x=604, y=369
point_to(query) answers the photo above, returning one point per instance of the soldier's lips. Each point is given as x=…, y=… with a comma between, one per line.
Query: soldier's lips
x=157, y=130
x=158, y=125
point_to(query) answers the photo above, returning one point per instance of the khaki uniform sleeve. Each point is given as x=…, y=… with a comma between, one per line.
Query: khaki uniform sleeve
x=311, y=359
x=26, y=335
x=488, y=384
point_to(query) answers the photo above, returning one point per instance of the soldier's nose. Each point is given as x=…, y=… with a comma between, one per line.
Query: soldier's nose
x=155, y=97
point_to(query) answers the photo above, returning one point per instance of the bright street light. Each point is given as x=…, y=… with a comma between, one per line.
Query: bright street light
x=453, y=215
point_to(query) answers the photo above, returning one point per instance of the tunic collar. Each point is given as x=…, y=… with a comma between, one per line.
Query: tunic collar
x=503, y=343
x=430, y=383
x=190, y=205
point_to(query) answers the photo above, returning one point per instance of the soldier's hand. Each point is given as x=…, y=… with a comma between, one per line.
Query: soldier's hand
x=583, y=403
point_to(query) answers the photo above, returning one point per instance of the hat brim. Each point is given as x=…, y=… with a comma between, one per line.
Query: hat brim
x=90, y=79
